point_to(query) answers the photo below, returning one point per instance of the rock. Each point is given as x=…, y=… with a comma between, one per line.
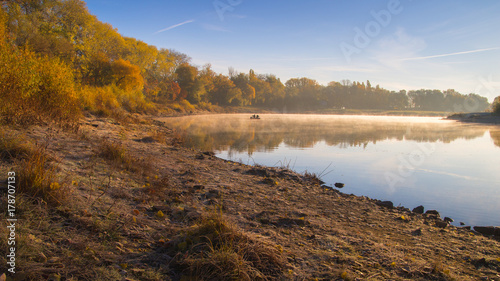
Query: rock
x=465, y=227
x=146, y=140
x=462, y=223
x=480, y=262
x=417, y=232
x=211, y=194
x=386, y=204
x=485, y=230
x=291, y=222
x=339, y=185
x=157, y=208
x=418, y=210
x=433, y=214
x=54, y=277
x=448, y=219
x=209, y=153
x=441, y=224
x=197, y=187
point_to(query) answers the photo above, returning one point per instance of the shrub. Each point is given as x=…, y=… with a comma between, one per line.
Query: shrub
x=35, y=88
x=134, y=101
x=187, y=105
x=98, y=100
x=108, y=99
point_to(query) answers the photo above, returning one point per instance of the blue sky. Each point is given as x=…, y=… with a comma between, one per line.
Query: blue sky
x=399, y=44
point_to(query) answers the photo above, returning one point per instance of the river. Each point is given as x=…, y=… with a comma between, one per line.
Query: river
x=441, y=164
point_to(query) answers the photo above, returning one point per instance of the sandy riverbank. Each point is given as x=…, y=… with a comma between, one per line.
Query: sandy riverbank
x=142, y=207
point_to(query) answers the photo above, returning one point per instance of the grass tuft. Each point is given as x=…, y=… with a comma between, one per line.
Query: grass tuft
x=37, y=178
x=35, y=169
x=313, y=178
x=13, y=147
x=217, y=250
x=117, y=154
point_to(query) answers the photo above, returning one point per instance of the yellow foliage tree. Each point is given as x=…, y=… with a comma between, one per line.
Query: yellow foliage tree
x=34, y=88
x=127, y=76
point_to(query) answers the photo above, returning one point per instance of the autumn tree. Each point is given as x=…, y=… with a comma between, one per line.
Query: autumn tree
x=262, y=88
x=191, y=87
x=34, y=87
x=242, y=82
x=127, y=76
x=224, y=92
x=206, y=76
x=303, y=94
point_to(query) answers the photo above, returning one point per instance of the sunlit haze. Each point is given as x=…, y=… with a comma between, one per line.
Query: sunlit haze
x=397, y=44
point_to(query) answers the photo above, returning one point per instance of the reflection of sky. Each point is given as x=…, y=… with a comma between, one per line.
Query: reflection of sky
x=458, y=177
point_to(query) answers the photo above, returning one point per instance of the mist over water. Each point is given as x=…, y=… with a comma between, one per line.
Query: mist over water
x=441, y=164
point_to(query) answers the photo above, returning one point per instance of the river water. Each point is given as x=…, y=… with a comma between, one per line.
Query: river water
x=441, y=164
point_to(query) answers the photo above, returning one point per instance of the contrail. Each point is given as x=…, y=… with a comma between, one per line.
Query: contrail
x=174, y=26
x=452, y=54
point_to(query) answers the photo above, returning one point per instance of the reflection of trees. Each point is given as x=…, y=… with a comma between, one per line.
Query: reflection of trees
x=237, y=134
x=495, y=135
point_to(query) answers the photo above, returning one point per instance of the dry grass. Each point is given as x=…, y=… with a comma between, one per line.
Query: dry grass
x=13, y=147
x=115, y=152
x=37, y=178
x=313, y=178
x=36, y=170
x=215, y=249
x=122, y=159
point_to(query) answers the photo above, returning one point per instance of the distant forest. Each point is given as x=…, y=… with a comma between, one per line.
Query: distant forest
x=58, y=59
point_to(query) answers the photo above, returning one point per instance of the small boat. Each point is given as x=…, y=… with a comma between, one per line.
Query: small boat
x=254, y=117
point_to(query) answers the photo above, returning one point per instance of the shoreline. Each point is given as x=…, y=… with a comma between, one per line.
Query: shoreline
x=478, y=117
x=160, y=194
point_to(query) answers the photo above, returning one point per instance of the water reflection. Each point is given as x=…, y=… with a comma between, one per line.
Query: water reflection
x=495, y=135
x=237, y=133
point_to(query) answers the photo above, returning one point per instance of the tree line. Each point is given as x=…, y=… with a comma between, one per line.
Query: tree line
x=71, y=56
